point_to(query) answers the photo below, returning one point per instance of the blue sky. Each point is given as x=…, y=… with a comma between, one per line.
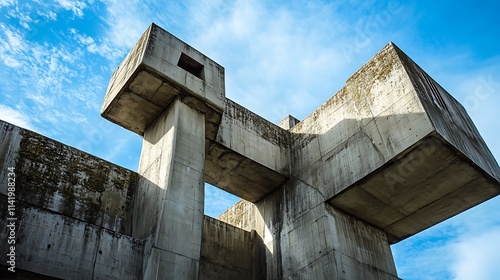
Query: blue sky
x=281, y=58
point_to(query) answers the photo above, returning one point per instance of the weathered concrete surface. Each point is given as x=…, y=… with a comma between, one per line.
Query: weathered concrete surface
x=169, y=199
x=49, y=243
x=229, y=252
x=373, y=151
x=240, y=144
x=249, y=157
x=159, y=69
x=69, y=245
x=65, y=180
x=288, y=122
x=450, y=119
x=425, y=158
x=320, y=243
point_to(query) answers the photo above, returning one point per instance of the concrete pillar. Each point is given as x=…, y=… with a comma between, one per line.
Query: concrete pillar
x=168, y=209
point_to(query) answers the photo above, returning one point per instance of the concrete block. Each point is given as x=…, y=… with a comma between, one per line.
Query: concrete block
x=249, y=157
x=288, y=122
x=158, y=69
x=429, y=153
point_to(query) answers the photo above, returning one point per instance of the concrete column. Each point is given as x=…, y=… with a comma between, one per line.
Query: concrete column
x=168, y=210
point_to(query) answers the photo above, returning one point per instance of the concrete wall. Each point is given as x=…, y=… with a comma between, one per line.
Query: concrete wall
x=53, y=176
x=48, y=243
x=306, y=238
x=228, y=252
x=73, y=210
x=74, y=216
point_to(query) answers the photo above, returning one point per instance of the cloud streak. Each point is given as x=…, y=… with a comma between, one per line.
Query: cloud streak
x=15, y=117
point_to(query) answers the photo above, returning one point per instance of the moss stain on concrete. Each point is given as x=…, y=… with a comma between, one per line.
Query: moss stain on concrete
x=55, y=176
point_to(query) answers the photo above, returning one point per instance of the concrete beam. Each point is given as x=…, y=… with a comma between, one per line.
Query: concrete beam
x=249, y=157
x=395, y=149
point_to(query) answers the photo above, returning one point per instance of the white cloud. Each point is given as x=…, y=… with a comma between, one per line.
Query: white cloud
x=15, y=117
x=270, y=54
x=23, y=17
x=283, y=58
x=75, y=6
x=50, y=15
x=478, y=257
x=127, y=21
x=92, y=46
x=4, y=3
x=118, y=148
x=11, y=46
x=442, y=251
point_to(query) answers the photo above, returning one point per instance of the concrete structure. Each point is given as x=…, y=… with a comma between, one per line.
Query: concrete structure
x=390, y=154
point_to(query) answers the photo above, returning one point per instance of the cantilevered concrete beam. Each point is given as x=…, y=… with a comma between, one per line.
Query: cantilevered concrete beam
x=249, y=156
x=395, y=149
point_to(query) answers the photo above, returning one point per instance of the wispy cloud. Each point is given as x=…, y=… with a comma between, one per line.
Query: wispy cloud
x=442, y=251
x=95, y=46
x=15, y=117
x=4, y=3
x=11, y=47
x=75, y=6
x=477, y=257
x=127, y=20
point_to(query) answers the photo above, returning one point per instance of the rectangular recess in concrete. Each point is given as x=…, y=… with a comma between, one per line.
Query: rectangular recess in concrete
x=191, y=65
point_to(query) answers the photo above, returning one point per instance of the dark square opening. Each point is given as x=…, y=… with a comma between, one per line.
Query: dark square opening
x=191, y=65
